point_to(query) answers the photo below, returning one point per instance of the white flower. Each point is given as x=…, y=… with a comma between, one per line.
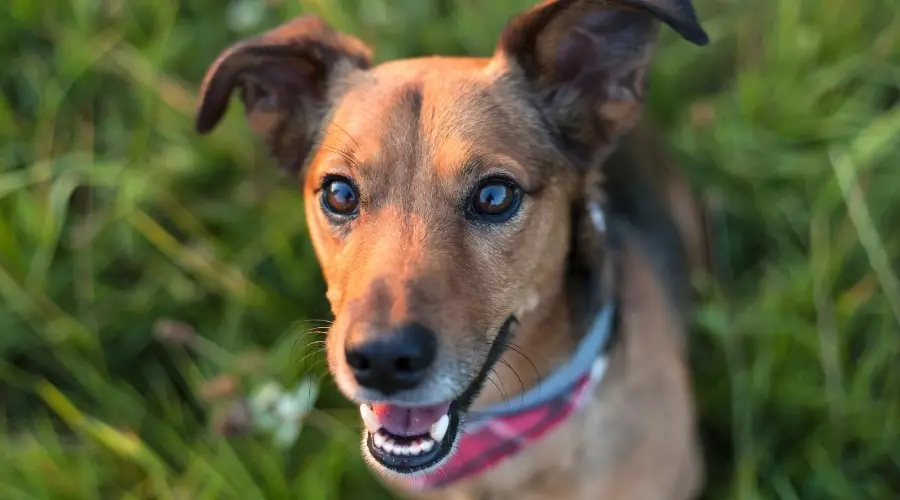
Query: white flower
x=281, y=413
x=267, y=396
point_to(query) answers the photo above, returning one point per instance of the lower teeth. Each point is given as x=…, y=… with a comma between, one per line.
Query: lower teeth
x=409, y=447
x=388, y=444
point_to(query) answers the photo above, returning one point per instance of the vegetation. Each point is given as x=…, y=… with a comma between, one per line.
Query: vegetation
x=150, y=278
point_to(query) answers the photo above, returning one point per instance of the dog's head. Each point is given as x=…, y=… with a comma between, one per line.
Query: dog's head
x=439, y=192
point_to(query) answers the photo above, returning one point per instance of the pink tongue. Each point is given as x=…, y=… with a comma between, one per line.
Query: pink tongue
x=406, y=422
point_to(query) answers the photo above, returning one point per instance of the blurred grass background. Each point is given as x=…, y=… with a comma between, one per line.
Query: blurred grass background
x=150, y=278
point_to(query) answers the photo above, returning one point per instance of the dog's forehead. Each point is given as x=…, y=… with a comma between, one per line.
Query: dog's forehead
x=434, y=118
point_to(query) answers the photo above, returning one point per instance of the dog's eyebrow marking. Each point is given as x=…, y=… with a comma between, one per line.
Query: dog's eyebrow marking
x=404, y=125
x=400, y=143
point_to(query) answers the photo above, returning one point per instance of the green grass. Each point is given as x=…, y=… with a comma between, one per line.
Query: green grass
x=114, y=215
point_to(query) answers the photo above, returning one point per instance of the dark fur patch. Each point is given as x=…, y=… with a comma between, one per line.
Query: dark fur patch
x=402, y=137
x=636, y=206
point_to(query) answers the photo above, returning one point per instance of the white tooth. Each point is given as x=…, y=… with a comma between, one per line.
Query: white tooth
x=415, y=448
x=388, y=446
x=427, y=445
x=401, y=450
x=370, y=418
x=380, y=439
x=439, y=429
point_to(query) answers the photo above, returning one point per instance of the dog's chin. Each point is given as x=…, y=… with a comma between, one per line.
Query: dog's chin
x=405, y=440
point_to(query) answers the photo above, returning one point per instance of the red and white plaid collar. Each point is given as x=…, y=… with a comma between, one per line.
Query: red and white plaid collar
x=494, y=435
x=492, y=442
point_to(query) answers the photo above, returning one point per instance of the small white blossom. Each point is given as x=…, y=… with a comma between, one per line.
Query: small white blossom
x=281, y=413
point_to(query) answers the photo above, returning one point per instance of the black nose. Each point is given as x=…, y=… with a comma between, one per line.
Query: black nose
x=393, y=362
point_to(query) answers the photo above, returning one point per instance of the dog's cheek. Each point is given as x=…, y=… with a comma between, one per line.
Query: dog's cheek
x=326, y=245
x=313, y=226
x=543, y=258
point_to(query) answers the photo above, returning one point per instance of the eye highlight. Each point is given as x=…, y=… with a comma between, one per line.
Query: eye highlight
x=339, y=197
x=495, y=200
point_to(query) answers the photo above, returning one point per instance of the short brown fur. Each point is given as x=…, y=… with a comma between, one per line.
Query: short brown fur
x=415, y=136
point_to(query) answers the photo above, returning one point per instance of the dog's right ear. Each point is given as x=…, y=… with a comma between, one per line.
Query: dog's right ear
x=286, y=79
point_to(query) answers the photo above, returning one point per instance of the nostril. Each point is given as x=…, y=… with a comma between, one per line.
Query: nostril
x=358, y=361
x=405, y=364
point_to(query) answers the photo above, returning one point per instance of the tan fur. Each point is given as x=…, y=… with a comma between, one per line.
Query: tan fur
x=415, y=136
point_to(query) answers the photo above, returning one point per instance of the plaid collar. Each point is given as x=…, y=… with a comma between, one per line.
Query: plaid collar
x=495, y=434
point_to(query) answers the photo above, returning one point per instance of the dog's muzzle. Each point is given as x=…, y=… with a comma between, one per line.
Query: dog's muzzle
x=406, y=439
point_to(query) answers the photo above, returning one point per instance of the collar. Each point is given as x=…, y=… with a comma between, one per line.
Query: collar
x=493, y=435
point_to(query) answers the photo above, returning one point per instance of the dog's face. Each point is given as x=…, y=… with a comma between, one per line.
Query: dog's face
x=436, y=213
x=439, y=192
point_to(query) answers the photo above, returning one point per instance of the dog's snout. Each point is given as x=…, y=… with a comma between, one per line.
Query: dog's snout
x=393, y=362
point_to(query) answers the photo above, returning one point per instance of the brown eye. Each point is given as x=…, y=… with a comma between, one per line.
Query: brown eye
x=495, y=200
x=339, y=197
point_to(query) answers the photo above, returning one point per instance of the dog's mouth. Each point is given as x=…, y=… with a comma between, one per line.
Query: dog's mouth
x=409, y=439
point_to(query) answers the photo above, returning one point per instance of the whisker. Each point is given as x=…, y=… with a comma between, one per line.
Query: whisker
x=315, y=367
x=520, y=350
x=311, y=320
x=294, y=345
x=343, y=154
x=498, y=387
x=342, y=129
x=320, y=323
x=310, y=353
x=444, y=472
x=521, y=384
x=317, y=330
x=323, y=328
x=503, y=391
x=533, y=366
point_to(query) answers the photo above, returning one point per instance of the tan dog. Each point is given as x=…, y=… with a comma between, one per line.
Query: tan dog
x=458, y=205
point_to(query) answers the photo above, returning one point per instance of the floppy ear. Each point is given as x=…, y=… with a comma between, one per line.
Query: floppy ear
x=585, y=62
x=288, y=78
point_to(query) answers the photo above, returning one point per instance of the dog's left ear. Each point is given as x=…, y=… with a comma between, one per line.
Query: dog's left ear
x=586, y=61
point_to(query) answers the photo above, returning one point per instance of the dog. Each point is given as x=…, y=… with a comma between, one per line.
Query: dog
x=508, y=254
